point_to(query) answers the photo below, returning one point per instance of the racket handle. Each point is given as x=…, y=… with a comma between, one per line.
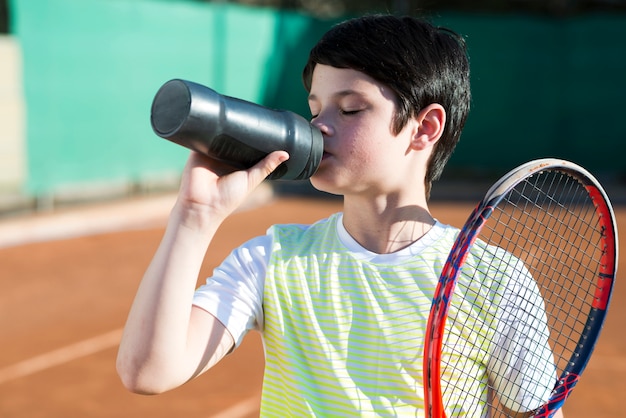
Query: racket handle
x=234, y=131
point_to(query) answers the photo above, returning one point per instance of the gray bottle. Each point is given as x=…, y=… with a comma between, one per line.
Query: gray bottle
x=234, y=131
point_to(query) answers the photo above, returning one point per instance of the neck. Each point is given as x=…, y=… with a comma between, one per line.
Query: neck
x=387, y=224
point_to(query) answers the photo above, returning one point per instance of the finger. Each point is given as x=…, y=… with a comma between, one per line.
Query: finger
x=199, y=160
x=266, y=166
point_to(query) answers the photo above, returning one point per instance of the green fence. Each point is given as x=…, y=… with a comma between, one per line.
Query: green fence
x=545, y=87
x=542, y=87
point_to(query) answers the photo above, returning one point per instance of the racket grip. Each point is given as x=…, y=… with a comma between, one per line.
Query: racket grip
x=234, y=131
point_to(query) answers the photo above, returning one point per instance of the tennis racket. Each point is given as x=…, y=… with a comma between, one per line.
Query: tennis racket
x=522, y=297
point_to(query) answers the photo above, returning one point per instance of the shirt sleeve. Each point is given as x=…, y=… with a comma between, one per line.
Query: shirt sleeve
x=234, y=293
x=521, y=366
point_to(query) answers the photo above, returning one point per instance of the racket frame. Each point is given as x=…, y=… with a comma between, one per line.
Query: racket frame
x=433, y=340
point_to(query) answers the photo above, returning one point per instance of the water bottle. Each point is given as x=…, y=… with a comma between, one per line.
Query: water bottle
x=234, y=131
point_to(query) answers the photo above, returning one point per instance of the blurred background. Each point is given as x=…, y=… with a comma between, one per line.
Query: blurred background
x=77, y=78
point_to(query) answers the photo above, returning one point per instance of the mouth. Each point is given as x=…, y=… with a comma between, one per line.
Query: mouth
x=325, y=155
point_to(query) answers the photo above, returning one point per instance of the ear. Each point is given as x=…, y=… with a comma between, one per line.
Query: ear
x=429, y=126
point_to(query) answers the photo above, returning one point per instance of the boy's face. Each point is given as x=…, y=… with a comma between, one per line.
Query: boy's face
x=355, y=114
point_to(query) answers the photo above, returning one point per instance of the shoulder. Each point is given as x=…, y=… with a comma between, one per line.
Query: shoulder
x=295, y=233
x=435, y=246
x=277, y=237
x=444, y=231
x=442, y=236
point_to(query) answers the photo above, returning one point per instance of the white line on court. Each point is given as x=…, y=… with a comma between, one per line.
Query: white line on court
x=136, y=213
x=139, y=213
x=77, y=222
x=239, y=410
x=61, y=356
x=92, y=346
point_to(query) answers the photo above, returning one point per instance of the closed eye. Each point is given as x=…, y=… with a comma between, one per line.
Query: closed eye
x=343, y=112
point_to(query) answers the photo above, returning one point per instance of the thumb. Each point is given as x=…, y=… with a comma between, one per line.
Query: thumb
x=266, y=166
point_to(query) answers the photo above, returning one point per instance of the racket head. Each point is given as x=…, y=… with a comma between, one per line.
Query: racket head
x=541, y=201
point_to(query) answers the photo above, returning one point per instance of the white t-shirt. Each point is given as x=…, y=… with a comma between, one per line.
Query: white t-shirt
x=236, y=295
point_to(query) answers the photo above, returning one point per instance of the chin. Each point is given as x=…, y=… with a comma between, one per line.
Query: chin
x=324, y=186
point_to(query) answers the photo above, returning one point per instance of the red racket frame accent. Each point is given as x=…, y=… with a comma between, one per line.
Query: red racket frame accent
x=433, y=341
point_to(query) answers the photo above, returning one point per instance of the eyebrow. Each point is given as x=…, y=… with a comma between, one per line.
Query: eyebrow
x=339, y=94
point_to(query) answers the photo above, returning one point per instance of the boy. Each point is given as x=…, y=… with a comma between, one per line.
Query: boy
x=341, y=304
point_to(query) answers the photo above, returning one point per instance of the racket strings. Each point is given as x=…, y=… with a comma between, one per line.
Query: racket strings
x=540, y=251
x=566, y=223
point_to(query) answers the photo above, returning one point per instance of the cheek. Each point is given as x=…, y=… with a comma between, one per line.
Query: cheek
x=369, y=147
x=362, y=158
x=361, y=144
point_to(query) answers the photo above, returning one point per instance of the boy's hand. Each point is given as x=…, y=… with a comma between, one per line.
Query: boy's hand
x=210, y=188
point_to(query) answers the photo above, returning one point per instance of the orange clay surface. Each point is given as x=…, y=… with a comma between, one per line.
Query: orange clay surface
x=64, y=301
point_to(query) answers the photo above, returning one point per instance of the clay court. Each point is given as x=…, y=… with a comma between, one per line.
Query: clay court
x=68, y=280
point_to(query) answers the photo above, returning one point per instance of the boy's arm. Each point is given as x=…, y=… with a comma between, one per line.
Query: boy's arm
x=168, y=341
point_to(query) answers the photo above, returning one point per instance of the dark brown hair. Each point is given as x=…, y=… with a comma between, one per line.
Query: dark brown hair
x=420, y=62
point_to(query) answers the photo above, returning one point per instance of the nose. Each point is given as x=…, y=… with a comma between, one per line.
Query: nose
x=323, y=126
